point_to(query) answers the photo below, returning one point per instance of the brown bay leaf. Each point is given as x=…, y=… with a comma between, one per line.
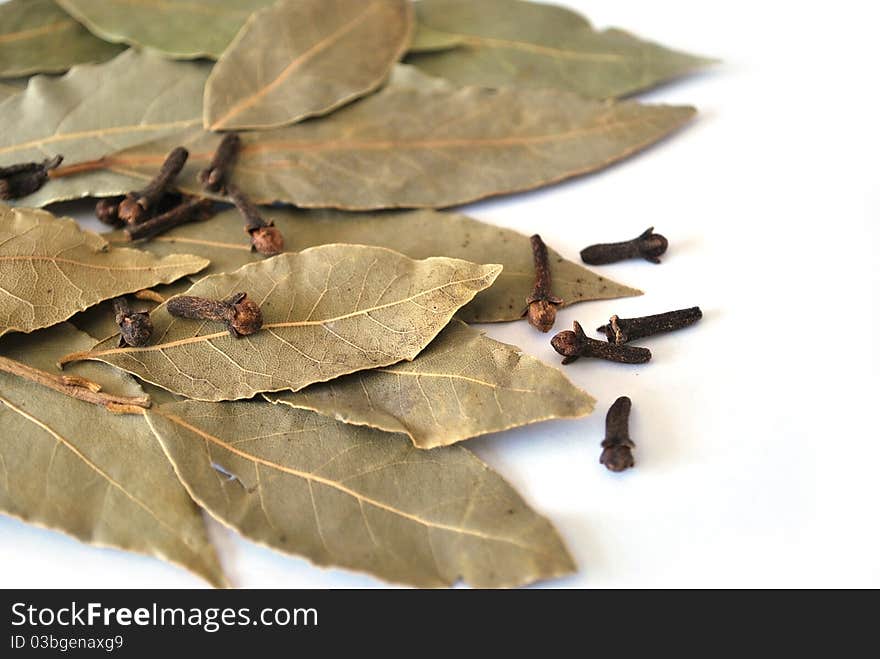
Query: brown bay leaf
x=461, y=386
x=420, y=142
x=427, y=40
x=50, y=269
x=357, y=498
x=185, y=29
x=327, y=312
x=96, y=110
x=419, y=234
x=541, y=45
x=323, y=54
x=112, y=488
x=38, y=37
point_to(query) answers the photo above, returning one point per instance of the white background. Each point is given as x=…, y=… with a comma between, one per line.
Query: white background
x=758, y=453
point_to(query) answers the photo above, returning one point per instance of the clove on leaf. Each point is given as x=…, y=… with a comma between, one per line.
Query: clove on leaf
x=17, y=181
x=241, y=316
x=139, y=206
x=266, y=239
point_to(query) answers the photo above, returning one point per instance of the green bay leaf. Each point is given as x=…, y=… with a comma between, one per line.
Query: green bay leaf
x=96, y=110
x=327, y=312
x=38, y=37
x=99, y=477
x=323, y=54
x=184, y=29
x=420, y=142
x=427, y=40
x=419, y=234
x=527, y=44
x=463, y=385
x=357, y=498
x=50, y=269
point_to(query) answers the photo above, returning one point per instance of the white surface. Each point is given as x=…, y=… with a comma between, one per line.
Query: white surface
x=757, y=459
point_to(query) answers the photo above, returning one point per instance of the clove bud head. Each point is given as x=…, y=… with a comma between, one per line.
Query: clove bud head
x=569, y=344
x=135, y=329
x=542, y=315
x=107, y=211
x=652, y=246
x=617, y=455
x=267, y=240
x=245, y=316
x=131, y=211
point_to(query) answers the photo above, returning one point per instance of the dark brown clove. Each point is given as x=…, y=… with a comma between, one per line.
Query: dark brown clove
x=135, y=329
x=573, y=345
x=215, y=176
x=107, y=210
x=192, y=210
x=622, y=330
x=265, y=238
x=139, y=206
x=241, y=316
x=17, y=181
x=649, y=246
x=541, y=304
x=617, y=446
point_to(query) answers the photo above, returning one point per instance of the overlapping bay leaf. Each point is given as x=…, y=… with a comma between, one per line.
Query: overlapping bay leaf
x=37, y=37
x=418, y=234
x=7, y=90
x=50, y=269
x=96, y=110
x=541, y=45
x=99, y=477
x=327, y=312
x=462, y=385
x=357, y=498
x=323, y=54
x=427, y=40
x=420, y=142
x=184, y=29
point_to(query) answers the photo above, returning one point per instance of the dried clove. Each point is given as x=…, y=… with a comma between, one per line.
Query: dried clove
x=649, y=246
x=17, y=181
x=541, y=304
x=573, y=345
x=215, y=176
x=622, y=330
x=135, y=329
x=192, y=210
x=241, y=316
x=617, y=446
x=265, y=238
x=107, y=210
x=139, y=206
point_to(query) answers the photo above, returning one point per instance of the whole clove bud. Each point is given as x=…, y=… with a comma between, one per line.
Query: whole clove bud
x=573, y=345
x=215, y=176
x=17, y=181
x=649, y=246
x=241, y=316
x=541, y=304
x=265, y=238
x=139, y=206
x=622, y=330
x=617, y=446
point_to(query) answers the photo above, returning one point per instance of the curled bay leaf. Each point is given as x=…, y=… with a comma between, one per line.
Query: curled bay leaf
x=96, y=110
x=184, y=29
x=420, y=142
x=357, y=498
x=50, y=269
x=323, y=54
x=541, y=45
x=327, y=311
x=37, y=37
x=99, y=477
x=462, y=385
x=418, y=234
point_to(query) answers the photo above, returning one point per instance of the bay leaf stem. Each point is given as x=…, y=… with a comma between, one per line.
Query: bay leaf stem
x=76, y=387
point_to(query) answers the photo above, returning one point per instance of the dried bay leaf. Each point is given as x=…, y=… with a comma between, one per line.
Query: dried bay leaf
x=37, y=37
x=327, y=312
x=427, y=40
x=420, y=142
x=542, y=45
x=323, y=54
x=357, y=498
x=462, y=385
x=7, y=90
x=184, y=29
x=50, y=269
x=96, y=110
x=419, y=234
x=99, y=477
